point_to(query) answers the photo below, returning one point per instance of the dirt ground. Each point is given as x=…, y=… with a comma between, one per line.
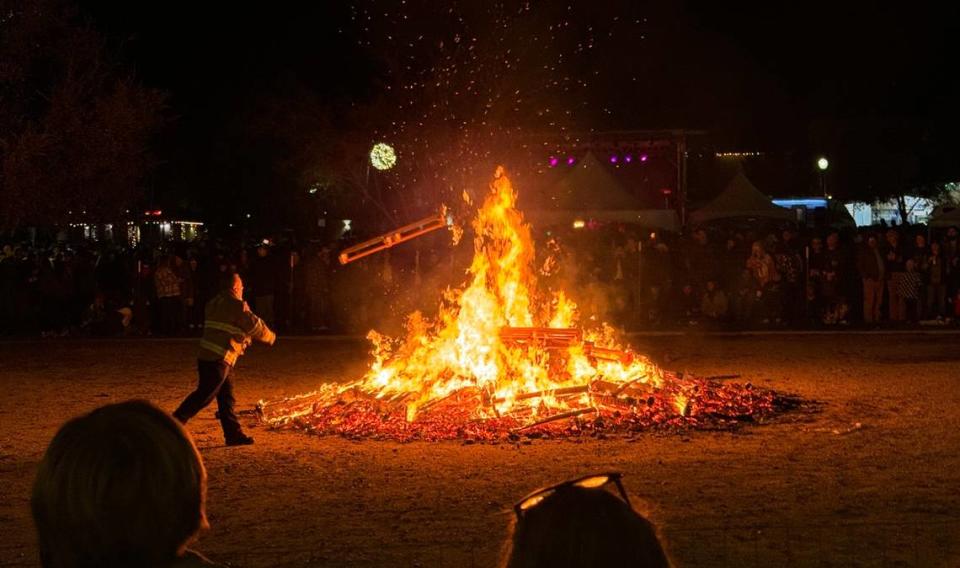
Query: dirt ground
x=872, y=480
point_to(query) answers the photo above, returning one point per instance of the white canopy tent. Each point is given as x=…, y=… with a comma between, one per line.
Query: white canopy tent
x=741, y=199
x=945, y=217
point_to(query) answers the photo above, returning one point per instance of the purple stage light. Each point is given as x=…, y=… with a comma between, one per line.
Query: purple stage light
x=613, y=159
x=554, y=161
x=571, y=160
x=643, y=157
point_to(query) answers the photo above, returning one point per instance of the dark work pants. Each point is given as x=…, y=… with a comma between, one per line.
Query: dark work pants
x=214, y=383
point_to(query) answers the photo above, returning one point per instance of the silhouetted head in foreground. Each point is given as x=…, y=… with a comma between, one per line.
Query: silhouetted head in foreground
x=121, y=486
x=574, y=526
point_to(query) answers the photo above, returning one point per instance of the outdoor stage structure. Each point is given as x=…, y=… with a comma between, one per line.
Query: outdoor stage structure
x=505, y=359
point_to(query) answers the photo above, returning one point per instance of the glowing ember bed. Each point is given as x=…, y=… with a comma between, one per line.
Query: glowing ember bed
x=505, y=359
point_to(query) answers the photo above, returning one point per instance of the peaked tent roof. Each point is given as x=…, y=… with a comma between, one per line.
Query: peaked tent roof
x=592, y=190
x=741, y=199
x=591, y=185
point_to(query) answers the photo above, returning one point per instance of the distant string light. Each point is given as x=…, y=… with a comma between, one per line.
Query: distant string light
x=738, y=154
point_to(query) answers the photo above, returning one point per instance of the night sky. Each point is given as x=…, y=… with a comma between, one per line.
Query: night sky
x=796, y=77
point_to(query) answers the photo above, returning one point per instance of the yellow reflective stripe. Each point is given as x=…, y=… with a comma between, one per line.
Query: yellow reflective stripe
x=211, y=346
x=269, y=337
x=223, y=327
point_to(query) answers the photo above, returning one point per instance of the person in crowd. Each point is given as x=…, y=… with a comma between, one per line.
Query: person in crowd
x=168, y=282
x=318, y=278
x=713, y=304
x=630, y=264
x=872, y=268
x=935, y=277
x=816, y=267
x=790, y=266
x=229, y=327
x=144, y=298
x=700, y=260
x=919, y=253
x=51, y=286
x=102, y=320
x=287, y=304
x=920, y=249
x=657, y=277
x=579, y=524
x=65, y=268
x=263, y=281
x=111, y=275
x=623, y=279
x=895, y=256
x=731, y=268
x=192, y=294
x=835, y=307
x=687, y=305
x=85, y=285
x=10, y=281
x=764, y=278
x=951, y=262
x=122, y=486
x=911, y=285
x=744, y=297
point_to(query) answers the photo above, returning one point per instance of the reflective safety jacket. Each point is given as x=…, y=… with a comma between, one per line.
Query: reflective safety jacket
x=228, y=329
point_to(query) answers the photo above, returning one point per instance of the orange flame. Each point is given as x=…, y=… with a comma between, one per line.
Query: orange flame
x=462, y=348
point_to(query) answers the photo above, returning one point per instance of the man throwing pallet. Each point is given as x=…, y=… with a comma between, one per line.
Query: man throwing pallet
x=229, y=327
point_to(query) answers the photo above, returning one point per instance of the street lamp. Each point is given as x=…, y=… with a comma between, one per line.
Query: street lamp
x=822, y=165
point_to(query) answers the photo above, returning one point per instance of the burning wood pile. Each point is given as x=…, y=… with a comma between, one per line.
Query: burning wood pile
x=504, y=360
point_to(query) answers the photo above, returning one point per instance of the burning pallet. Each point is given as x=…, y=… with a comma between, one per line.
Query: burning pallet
x=395, y=237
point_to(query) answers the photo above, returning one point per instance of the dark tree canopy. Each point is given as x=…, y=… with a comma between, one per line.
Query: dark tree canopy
x=75, y=127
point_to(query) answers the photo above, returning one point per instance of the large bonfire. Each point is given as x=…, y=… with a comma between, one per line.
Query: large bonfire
x=503, y=359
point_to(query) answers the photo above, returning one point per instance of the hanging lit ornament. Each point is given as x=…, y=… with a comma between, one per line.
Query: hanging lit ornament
x=382, y=156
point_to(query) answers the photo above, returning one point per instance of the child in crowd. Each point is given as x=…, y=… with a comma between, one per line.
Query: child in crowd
x=910, y=286
x=123, y=486
x=713, y=305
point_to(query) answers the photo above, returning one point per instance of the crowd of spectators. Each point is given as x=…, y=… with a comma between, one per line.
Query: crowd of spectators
x=732, y=278
x=736, y=278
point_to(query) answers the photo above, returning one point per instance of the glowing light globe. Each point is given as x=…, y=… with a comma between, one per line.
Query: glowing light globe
x=823, y=164
x=382, y=156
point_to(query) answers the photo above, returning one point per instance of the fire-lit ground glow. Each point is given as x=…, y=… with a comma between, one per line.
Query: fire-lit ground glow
x=503, y=359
